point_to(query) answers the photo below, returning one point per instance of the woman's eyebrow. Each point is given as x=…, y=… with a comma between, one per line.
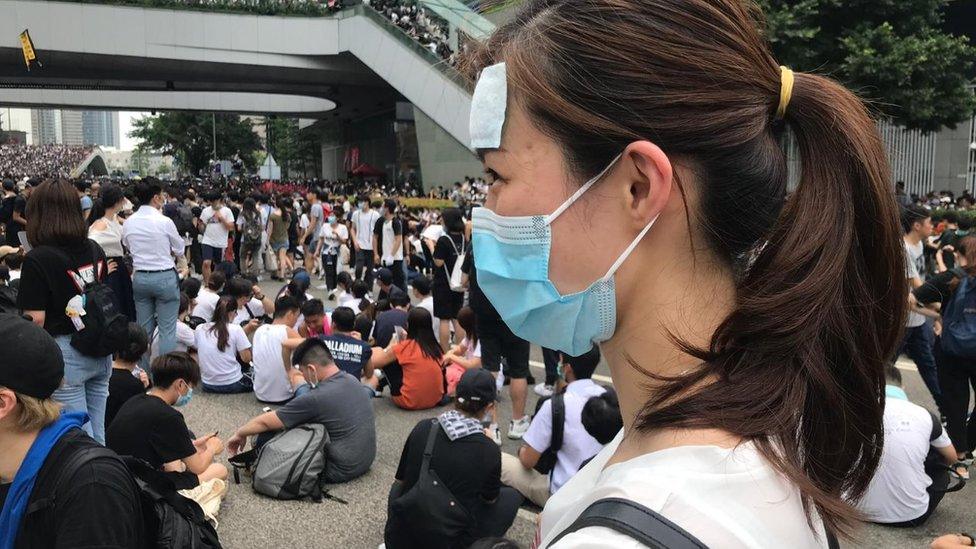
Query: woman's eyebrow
x=482, y=153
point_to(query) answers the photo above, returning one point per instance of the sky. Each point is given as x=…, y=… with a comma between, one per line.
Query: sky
x=126, y=119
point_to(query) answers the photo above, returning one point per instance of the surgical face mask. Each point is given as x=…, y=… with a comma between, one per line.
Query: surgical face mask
x=183, y=400
x=332, y=219
x=362, y=206
x=312, y=378
x=383, y=211
x=512, y=260
x=560, y=373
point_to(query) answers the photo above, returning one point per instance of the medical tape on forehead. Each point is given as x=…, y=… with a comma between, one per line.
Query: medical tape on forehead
x=488, y=104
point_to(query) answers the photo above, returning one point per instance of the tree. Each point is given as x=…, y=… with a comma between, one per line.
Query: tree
x=894, y=53
x=188, y=137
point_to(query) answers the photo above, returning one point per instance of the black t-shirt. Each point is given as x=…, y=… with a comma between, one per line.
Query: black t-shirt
x=121, y=387
x=446, y=249
x=147, y=428
x=397, y=232
x=471, y=466
x=386, y=323
x=350, y=354
x=98, y=507
x=53, y=275
x=477, y=300
x=937, y=289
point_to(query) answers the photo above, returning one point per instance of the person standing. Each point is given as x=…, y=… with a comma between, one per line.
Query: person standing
x=153, y=242
x=332, y=237
x=106, y=231
x=919, y=338
x=311, y=235
x=363, y=223
x=18, y=220
x=61, y=265
x=447, y=250
x=218, y=222
x=388, y=242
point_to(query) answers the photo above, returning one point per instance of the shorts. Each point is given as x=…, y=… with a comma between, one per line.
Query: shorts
x=209, y=253
x=447, y=302
x=497, y=341
x=278, y=246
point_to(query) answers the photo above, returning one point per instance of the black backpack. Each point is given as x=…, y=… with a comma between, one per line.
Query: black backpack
x=429, y=508
x=251, y=230
x=105, y=327
x=547, y=461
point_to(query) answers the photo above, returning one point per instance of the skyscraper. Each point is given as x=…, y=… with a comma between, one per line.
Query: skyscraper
x=100, y=128
x=45, y=126
x=71, y=128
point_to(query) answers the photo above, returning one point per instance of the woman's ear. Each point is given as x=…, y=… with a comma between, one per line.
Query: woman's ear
x=650, y=177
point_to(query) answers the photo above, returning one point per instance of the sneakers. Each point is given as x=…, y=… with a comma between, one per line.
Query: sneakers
x=518, y=427
x=496, y=433
x=544, y=390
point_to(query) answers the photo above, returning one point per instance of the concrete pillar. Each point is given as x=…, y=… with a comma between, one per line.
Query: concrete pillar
x=443, y=160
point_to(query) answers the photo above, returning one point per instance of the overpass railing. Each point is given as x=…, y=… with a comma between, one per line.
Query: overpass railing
x=258, y=7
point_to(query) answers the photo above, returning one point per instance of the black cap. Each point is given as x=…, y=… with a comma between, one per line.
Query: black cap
x=385, y=275
x=37, y=366
x=421, y=284
x=477, y=384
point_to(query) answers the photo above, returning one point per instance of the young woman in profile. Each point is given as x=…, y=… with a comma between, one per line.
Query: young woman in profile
x=639, y=201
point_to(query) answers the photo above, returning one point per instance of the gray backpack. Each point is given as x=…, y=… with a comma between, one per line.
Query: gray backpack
x=291, y=465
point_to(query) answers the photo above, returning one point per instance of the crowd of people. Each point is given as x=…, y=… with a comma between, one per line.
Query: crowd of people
x=419, y=23
x=18, y=161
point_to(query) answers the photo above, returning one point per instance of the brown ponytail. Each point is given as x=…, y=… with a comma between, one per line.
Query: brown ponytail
x=798, y=366
x=221, y=318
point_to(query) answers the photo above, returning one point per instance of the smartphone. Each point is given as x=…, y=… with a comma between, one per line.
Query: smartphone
x=399, y=333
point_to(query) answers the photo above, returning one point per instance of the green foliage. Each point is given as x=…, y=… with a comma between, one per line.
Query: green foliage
x=892, y=52
x=188, y=137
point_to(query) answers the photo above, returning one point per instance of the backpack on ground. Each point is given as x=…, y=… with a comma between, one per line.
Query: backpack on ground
x=428, y=508
x=105, y=327
x=547, y=461
x=292, y=464
x=959, y=320
x=455, y=277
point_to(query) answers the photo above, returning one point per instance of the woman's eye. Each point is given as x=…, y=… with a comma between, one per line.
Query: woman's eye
x=492, y=175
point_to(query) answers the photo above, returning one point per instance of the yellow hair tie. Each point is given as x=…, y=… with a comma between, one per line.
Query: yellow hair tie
x=785, y=91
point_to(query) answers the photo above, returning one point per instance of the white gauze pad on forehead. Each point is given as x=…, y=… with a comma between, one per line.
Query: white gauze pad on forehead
x=488, y=108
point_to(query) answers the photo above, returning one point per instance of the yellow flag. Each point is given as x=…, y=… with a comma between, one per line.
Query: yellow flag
x=28, y=47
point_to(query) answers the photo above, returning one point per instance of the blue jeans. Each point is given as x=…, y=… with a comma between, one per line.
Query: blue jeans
x=243, y=385
x=157, y=297
x=918, y=345
x=85, y=387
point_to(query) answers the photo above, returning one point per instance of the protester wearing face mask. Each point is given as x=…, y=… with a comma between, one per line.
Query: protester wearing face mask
x=149, y=428
x=363, y=222
x=332, y=236
x=388, y=242
x=799, y=297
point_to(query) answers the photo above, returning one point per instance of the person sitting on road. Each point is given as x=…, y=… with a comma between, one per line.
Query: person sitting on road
x=313, y=321
x=126, y=382
x=467, y=354
x=413, y=366
x=272, y=342
x=578, y=445
x=219, y=344
x=912, y=477
x=96, y=503
x=327, y=395
x=468, y=463
x=252, y=302
x=185, y=339
x=149, y=428
x=388, y=320
x=350, y=352
x=206, y=299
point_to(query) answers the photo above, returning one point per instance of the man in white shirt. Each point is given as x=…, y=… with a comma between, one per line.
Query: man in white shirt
x=153, y=242
x=363, y=223
x=912, y=476
x=421, y=293
x=577, y=446
x=272, y=343
x=218, y=222
x=919, y=337
x=388, y=243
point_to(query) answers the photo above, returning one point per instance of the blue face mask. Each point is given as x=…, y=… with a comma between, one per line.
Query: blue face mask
x=332, y=219
x=183, y=400
x=512, y=260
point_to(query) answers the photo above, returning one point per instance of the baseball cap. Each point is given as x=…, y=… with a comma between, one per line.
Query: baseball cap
x=37, y=368
x=385, y=275
x=477, y=384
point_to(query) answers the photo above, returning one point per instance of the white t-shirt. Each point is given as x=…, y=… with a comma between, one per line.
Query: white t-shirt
x=914, y=267
x=334, y=236
x=220, y=367
x=389, y=240
x=270, y=377
x=215, y=234
x=364, y=222
x=256, y=307
x=897, y=492
x=728, y=498
x=206, y=303
x=185, y=339
x=348, y=300
x=578, y=445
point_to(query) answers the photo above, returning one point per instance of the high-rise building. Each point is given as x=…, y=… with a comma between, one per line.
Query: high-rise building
x=100, y=128
x=45, y=126
x=71, y=128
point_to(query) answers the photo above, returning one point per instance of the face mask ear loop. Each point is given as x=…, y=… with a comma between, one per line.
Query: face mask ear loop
x=586, y=186
x=623, y=257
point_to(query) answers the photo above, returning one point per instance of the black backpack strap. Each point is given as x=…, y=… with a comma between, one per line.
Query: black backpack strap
x=429, y=447
x=635, y=521
x=67, y=471
x=558, y=422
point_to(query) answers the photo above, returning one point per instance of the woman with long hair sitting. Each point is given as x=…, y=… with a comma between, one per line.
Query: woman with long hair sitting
x=219, y=344
x=413, y=366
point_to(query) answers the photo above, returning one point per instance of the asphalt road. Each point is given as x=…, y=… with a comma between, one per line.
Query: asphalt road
x=250, y=521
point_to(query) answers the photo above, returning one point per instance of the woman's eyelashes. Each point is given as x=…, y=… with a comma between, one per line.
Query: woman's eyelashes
x=493, y=176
